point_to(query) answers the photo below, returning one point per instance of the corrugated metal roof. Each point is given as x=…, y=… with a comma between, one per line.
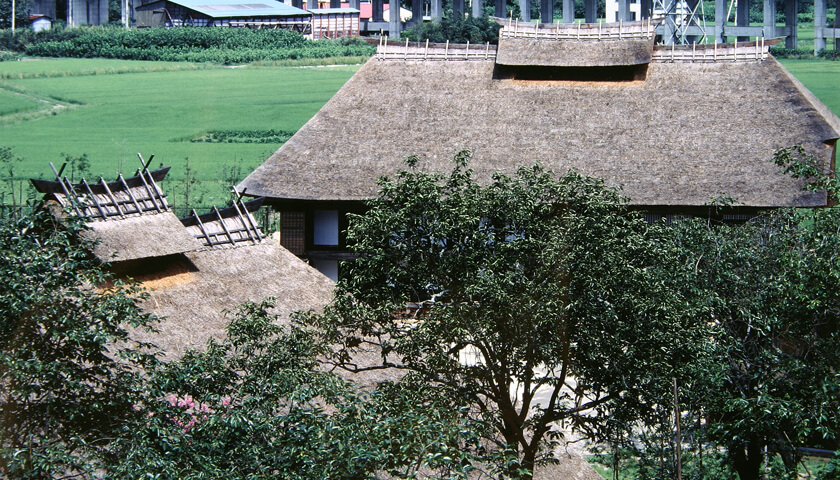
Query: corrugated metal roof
x=247, y=8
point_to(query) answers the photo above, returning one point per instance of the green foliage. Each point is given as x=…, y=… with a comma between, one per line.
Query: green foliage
x=245, y=136
x=255, y=406
x=768, y=285
x=189, y=44
x=459, y=30
x=799, y=164
x=22, y=8
x=68, y=371
x=523, y=284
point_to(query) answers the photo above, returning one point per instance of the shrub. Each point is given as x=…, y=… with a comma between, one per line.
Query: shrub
x=192, y=44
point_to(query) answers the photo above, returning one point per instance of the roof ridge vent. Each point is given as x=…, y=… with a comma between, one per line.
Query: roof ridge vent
x=644, y=29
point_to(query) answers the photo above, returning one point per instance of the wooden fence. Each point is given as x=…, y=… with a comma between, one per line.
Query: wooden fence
x=434, y=51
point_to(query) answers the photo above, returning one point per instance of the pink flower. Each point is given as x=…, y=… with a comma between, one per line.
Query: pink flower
x=173, y=400
x=226, y=401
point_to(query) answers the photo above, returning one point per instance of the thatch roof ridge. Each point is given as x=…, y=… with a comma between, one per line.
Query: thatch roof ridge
x=144, y=236
x=689, y=133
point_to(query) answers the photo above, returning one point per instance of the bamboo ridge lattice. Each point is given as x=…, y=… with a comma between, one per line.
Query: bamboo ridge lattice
x=733, y=52
x=433, y=51
x=136, y=195
x=229, y=226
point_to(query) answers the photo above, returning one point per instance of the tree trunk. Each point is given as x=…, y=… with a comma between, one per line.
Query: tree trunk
x=529, y=457
x=747, y=460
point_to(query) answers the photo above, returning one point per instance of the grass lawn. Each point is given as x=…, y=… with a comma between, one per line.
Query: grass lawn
x=822, y=77
x=112, y=109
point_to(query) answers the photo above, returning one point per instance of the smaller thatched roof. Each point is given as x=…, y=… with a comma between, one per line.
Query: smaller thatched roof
x=138, y=237
x=573, y=53
x=192, y=295
x=129, y=218
x=575, y=45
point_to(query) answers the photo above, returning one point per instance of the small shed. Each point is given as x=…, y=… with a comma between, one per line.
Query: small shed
x=223, y=13
x=40, y=22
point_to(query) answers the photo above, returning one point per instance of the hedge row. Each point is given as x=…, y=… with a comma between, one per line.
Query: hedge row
x=804, y=53
x=192, y=44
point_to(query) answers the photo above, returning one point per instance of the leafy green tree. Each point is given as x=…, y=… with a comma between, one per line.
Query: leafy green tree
x=256, y=406
x=458, y=30
x=770, y=288
x=68, y=371
x=22, y=8
x=532, y=301
x=770, y=284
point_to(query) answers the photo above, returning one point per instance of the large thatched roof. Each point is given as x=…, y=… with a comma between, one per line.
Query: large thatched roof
x=692, y=131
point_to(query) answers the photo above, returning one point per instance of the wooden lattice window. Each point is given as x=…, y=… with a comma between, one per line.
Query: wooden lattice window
x=292, y=231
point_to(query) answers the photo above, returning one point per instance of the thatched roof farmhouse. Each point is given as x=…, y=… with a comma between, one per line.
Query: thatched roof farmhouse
x=676, y=127
x=194, y=269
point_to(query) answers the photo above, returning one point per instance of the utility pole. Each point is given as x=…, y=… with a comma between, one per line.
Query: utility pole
x=13, y=18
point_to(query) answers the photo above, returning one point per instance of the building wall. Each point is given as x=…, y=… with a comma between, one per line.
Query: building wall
x=86, y=12
x=335, y=25
x=43, y=7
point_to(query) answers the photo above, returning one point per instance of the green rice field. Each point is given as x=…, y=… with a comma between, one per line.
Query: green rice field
x=112, y=109
x=821, y=77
